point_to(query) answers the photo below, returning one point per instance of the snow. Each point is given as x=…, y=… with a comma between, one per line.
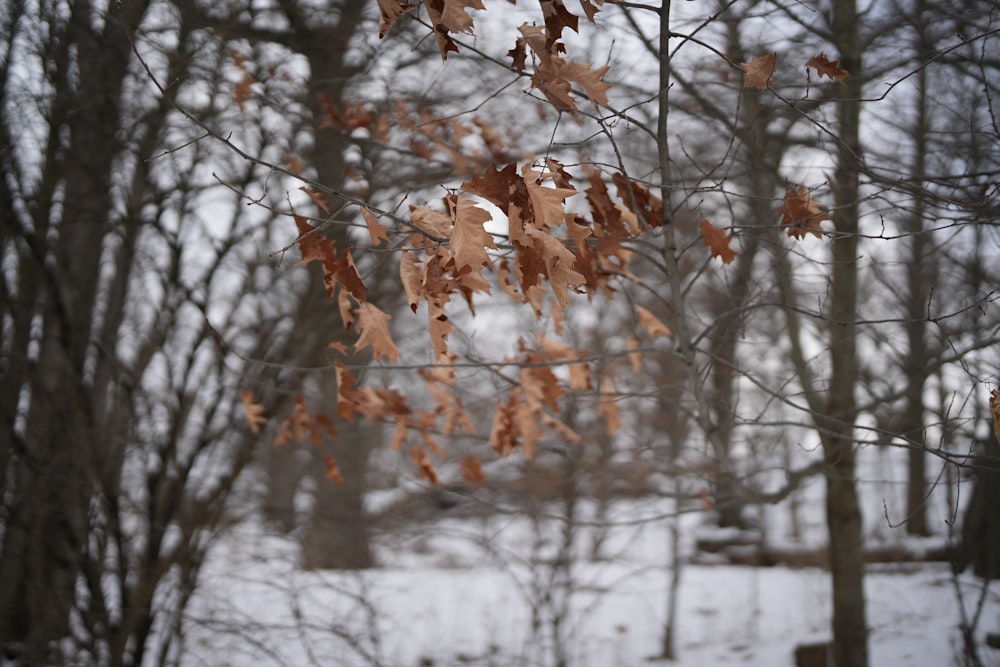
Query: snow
x=465, y=591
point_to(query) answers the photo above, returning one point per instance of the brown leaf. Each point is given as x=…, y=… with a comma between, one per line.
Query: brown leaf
x=802, y=214
x=389, y=12
x=548, y=204
x=758, y=72
x=254, y=411
x=243, y=89
x=313, y=246
x=706, y=501
x=472, y=472
x=557, y=18
x=653, y=326
x=373, y=325
x=607, y=406
x=318, y=197
x=639, y=199
x=424, y=463
x=346, y=309
x=559, y=262
x=411, y=277
x=469, y=239
x=830, y=68
x=718, y=240
x=378, y=233
x=345, y=272
x=588, y=78
x=453, y=14
x=518, y=55
x=332, y=470
x=338, y=347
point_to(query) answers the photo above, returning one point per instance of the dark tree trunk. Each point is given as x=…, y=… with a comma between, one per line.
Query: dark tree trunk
x=981, y=524
x=843, y=512
x=49, y=472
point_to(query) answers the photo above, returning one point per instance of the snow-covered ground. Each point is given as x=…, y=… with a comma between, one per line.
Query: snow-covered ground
x=484, y=591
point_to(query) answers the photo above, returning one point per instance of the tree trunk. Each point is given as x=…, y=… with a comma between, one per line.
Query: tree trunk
x=50, y=474
x=336, y=532
x=921, y=277
x=843, y=512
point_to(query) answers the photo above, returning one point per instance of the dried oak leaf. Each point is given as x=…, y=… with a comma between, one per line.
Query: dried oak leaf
x=757, y=73
x=469, y=240
x=424, y=463
x=389, y=12
x=802, y=214
x=318, y=197
x=607, y=406
x=254, y=411
x=830, y=68
x=332, y=470
x=378, y=233
x=518, y=55
x=718, y=240
x=313, y=247
x=557, y=17
x=449, y=16
x=652, y=324
x=243, y=89
x=411, y=276
x=344, y=271
x=373, y=325
x=472, y=471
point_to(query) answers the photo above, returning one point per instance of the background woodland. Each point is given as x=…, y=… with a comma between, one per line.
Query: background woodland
x=334, y=268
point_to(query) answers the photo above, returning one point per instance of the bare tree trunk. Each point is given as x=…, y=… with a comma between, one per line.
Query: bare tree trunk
x=50, y=475
x=921, y=276
x=843, y=512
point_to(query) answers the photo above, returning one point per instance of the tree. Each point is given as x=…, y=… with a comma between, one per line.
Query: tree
x=627, y=201
x=139, y=309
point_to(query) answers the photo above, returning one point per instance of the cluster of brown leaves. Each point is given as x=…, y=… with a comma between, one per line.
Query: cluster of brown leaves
x=758, y=72
x=554, y=75
x=429, y=136
x=544, y=249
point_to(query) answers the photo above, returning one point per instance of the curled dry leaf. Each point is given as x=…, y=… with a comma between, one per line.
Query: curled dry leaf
x=757, y=73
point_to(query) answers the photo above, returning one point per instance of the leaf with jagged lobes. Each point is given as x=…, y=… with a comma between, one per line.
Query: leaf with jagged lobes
x=718, y=240
x=802, y=214
x=373, y=324
x=827, y=67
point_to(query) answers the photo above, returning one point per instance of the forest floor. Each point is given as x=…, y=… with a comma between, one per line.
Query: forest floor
x=497, y=590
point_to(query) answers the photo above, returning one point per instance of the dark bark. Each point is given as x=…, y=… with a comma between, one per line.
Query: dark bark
x=843, y=512
x=50, y=474
x=981, y=522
